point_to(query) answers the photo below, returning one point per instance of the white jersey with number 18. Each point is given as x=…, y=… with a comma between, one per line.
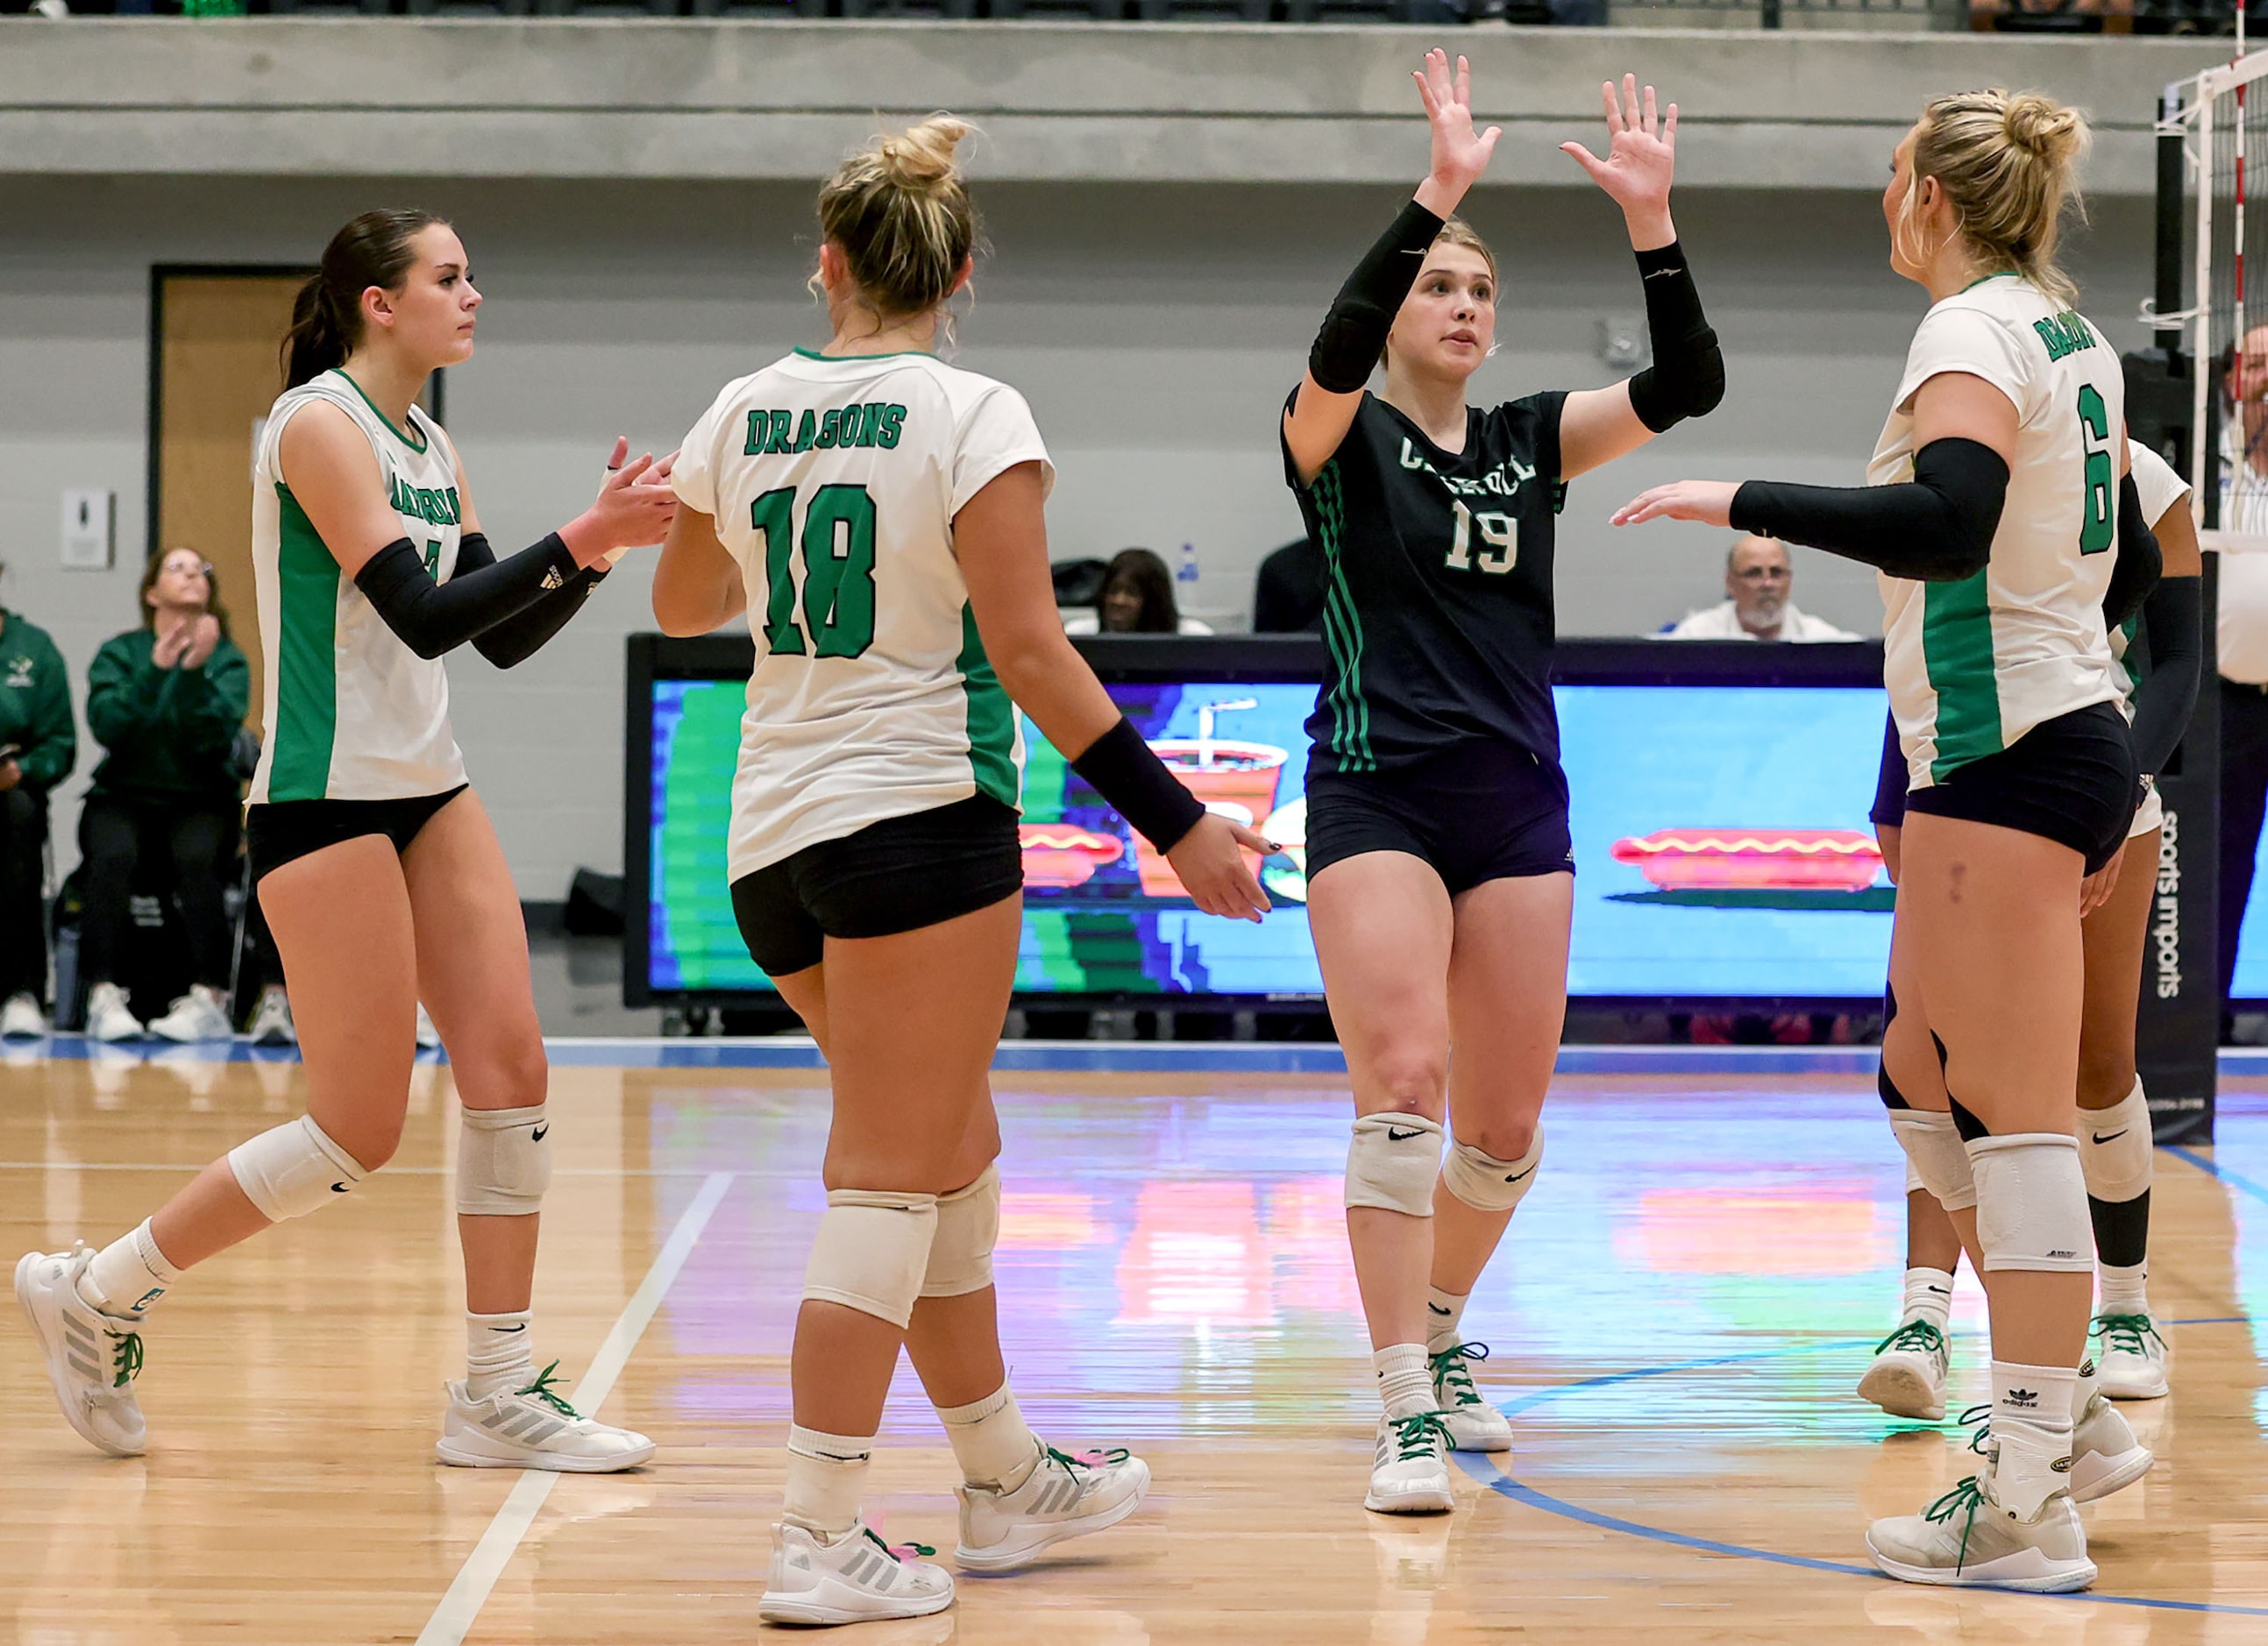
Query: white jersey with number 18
x=1973, y=666
x=833, y=482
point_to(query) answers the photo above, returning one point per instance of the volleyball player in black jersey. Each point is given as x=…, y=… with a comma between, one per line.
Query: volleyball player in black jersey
x=1439, y=865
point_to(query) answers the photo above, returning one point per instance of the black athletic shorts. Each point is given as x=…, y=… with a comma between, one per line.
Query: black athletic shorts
x=280, y=831
x=1476, y=812
x=2072, y=780
x=1889, y=808
x=898, y=875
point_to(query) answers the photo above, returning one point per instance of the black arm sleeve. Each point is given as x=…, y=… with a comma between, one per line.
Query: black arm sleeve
x=2139, y=564
x=431, y=618
x=1687, y=377
x=524, y=633
x=1936, y=527
x=1346, y=350
x=2175, y=617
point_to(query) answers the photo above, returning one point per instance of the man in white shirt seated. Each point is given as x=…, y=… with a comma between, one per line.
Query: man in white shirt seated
x=1757, y=582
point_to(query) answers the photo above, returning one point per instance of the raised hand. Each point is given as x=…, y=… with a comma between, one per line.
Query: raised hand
x=1641, y=154
x=203, y=634
x=1709, y=501
x=1460, y=154
x=633, y=509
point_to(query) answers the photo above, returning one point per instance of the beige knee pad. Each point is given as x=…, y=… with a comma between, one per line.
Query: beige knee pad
x=871, y=1251
x=1392, y=1163
x=289, y=1171
x=504, y=1162
x=1487, y=1184
x=968, y=1223
x=1936, y=1158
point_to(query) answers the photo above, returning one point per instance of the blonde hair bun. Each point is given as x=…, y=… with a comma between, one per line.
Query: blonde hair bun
x=2042, y=127
x=923, y=154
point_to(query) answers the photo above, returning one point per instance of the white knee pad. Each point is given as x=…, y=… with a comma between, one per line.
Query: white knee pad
x=968, y=1223
x=1936, y=1158
x=2031, y=1204
x=1487, y=1184
x=504, y=1162
x=2116, y=1149
x=1392, y=1163
x=871, y=1251
x=289, y=1171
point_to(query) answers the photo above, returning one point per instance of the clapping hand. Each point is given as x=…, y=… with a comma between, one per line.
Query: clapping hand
x=633, y=510
x=1460, y=154
x=1641, y=154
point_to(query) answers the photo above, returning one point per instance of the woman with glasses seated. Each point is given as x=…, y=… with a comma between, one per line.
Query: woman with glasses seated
x=165, y=700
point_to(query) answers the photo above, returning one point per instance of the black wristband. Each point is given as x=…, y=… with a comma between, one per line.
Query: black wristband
x=1346, y=350
x=1687, y=377
x=1126, y=772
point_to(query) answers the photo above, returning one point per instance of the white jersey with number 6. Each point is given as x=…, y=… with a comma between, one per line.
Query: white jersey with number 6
x=1973, y=666
x=833, y=482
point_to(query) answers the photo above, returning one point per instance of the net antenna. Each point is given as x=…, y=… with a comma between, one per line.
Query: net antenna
x=2207, y=132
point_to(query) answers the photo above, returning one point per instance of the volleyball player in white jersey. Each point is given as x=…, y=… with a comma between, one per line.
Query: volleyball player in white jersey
x=877, y=515
x=2159, y=650
x=1999, y=489
x=376, y=864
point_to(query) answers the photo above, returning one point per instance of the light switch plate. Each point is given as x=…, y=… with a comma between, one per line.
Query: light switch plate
x=90, y=530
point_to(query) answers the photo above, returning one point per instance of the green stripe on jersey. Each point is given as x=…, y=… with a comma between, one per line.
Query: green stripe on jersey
x=991, y=716
x=1956, y=644
x=307, y=670
x=1342, y=631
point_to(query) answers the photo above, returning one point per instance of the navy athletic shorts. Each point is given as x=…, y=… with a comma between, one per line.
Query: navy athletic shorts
x=1476, y=812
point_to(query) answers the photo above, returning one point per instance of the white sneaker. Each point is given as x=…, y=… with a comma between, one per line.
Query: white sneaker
x=854, y=1578
x=93, y=1359
x=271, y=1020
x=428, y=1036
x=1411, y=1474
x=21, y=1019
x=1907, y=1378
x=1965, y=1539
x=2105, y=1455
x=534, y=1428
x=2132, y=1361
x=1474, y=1425
x=107, y=1015
x=1065, y=1497
x=200, y=1015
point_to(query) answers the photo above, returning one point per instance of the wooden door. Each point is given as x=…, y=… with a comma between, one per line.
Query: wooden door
x=218, y=331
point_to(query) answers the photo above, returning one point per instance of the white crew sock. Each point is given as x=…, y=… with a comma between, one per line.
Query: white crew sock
x=992, y=1442
x=1929, y=1296
x=1445, y=1319
x=2124, y=1290
x=824, y=1474
x=129, y=1275
x=1405, y=1383
x=497, y=1358
x=2031, y=1429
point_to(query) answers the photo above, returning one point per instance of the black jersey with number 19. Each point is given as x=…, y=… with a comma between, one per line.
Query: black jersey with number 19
x=1438, y=585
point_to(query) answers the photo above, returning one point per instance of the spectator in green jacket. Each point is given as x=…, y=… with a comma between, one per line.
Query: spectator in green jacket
x=166, y=700
x=39, y=745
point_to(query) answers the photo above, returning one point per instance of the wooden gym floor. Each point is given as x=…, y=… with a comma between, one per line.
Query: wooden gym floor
x=1677, y=1320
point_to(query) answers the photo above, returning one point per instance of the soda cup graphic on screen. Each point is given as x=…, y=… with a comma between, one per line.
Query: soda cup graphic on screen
x=1236, y=780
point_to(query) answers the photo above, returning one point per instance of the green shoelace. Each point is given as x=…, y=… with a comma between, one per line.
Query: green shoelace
x=902, y=1551
x=1418, y=1433
x=541, y=1390
x=2124, y=1332
x=1981, y=1416
x=125, y=1358
x=1100, y=1458
x=1966, y=1495
x=1918, y=1335
x=1449, y=1367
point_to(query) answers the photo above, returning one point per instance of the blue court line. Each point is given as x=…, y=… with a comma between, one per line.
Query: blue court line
x=1489, y=1474
x=2236, y=1180
x=1086, y=1056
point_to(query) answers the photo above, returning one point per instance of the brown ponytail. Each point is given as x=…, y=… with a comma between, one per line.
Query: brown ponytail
x=374, y=250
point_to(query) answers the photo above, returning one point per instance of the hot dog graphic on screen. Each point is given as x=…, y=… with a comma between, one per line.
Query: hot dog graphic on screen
x=1754, y=859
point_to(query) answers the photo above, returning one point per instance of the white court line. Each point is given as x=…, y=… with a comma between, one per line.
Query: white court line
x=454, y=1617
x=191, y=1167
